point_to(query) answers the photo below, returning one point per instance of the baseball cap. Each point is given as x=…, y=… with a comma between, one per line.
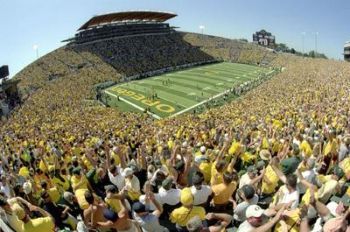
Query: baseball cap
x=76, y=171
x=194, y=224
x=202, y=149
x=252, y=169
x=265, y=154
x=138, y=207
x=111, y=188
x=27, y=187
x=254, y=211
x=127, y=172
x=167, y=183
x=68, y=196
x=110, y=215
x=338, y=172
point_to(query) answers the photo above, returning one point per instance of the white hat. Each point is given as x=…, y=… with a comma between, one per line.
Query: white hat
x=184, y=144
x=127, y=172
x=202, y=149
x=27, y=188
x=254, y=211
x=332, y=206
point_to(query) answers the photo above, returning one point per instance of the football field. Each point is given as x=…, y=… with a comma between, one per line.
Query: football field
x=182, y=91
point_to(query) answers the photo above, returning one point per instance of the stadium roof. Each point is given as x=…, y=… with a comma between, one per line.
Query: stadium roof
x=127, y=16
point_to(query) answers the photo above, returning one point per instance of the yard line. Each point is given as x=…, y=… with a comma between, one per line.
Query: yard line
x=133, y=105
x=200, y=103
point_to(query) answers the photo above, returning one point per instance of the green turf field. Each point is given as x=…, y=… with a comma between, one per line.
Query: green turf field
x=181, y=91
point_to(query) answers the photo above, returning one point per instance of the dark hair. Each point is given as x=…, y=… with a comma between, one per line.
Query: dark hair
x=89, y=197
x=248, y=191
x=292, y=180
x=197, y=178
x=228, y=177
x=3, y=201
x=113, y=168
x=220, y=165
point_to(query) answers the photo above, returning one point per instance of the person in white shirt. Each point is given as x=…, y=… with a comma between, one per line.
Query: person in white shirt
x=115, y=177
x=167, y=194
x=251, y=177
x=247, y=194
x=288, y=193
x=200, y=192
x=257, y=221
x=132, y=184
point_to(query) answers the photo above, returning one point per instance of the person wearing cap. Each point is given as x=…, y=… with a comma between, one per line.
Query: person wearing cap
x=70, y=200
x=218, y=222
x=251, y=177
x=257, y=221
x=149, y=221
x=247, y=194
x=132, y=184
x=168, y=195
x=183, y=214
x=201, y=193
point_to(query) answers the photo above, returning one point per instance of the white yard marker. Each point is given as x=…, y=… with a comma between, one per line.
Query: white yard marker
x=133, y=105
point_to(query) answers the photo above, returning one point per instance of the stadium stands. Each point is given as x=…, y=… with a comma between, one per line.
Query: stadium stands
x=123, y=24
x=284, y=145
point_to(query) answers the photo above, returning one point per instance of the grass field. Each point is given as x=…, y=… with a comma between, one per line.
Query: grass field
x=181, y=91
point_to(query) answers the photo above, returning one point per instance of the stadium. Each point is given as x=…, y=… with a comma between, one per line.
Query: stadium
x=134, y=125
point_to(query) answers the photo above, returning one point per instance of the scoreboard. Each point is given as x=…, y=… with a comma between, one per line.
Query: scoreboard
x=264, y=38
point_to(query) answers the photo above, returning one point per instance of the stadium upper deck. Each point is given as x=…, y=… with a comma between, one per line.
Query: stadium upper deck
x=122, y=24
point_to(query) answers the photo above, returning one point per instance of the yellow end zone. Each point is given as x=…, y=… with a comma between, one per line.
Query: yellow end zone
x=165, y=108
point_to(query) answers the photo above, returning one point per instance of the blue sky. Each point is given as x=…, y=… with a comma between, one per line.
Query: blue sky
x=47, y=22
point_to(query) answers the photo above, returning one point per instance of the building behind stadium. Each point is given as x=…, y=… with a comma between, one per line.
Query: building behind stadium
x=347, y=51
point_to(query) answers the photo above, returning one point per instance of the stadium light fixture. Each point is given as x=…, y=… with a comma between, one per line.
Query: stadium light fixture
x=36, y=49
x=303, y=41
x=316, y=37
x=201, y=28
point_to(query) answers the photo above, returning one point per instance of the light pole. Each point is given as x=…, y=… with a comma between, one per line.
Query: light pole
x=303, y=41
x=316, y=35
x=201, y=28
x=36, y=49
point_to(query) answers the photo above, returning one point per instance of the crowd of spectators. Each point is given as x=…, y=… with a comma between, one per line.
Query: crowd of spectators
x=276, y=159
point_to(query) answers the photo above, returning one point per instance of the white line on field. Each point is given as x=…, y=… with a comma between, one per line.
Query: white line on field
x=200, y=103
x=133, y=105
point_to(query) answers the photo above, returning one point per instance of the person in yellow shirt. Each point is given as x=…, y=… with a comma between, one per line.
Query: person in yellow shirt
x=180, y=216
x=80, y=186
x=223, y=192
x=45, y=223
